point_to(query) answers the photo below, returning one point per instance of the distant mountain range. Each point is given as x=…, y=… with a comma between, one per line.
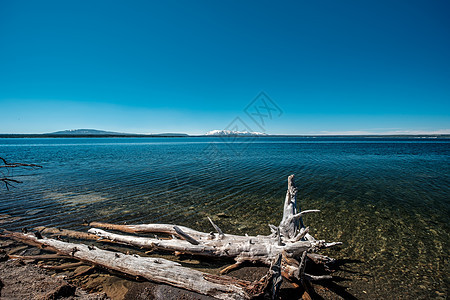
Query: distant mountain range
x=86, y=132
x=233, y=133
x=212, y=133
x=95, y=132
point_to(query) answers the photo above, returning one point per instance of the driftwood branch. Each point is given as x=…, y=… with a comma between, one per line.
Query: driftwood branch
x=289, y=225
x=219, y=231
x=6, y=165
x=14, y=165
x=66, y=232
x=64, y=266
x=7, y=182
x=37, y=257
x=185, y=236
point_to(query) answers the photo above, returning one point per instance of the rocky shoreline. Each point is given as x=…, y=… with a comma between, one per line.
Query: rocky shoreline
x=29, y=279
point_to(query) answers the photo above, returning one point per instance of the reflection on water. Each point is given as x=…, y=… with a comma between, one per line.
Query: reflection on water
x=386, y=199
x=74, y=198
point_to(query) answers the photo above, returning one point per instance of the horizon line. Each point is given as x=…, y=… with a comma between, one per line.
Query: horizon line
x=173, y=134
x=73, y=132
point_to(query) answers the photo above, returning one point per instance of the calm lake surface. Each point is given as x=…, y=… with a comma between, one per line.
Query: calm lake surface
x=387, y=200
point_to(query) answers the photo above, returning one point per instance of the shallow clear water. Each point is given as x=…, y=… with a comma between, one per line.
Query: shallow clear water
x=386, y=199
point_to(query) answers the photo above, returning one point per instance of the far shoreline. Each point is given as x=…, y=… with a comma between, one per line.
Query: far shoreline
x=405, y=136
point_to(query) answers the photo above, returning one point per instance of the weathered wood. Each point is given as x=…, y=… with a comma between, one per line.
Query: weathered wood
x=302, y=266
x=63, y=266
x=317, y=277
x=17, y=249
x=84, y=271
x=289, y=225
x=219, y=231
x=37, y=257
x=154, y=269
x=252, y=248
x=185, y=236
x=320, y=259
x=150, y=228
x=66, y=232
x=290, y=238
x=231, y=267
x=277, y=278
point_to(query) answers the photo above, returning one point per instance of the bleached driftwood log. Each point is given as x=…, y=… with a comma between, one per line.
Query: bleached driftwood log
x=290, y=238
x=253, y=248
x=291, y=226
x=154, y=269
x=286, y=250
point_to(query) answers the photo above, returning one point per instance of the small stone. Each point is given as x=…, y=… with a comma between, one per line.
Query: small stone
x=3, y=256
x=243, y=227
x=223, y=215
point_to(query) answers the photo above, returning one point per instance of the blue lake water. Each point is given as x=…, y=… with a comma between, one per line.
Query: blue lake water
x=387, y=200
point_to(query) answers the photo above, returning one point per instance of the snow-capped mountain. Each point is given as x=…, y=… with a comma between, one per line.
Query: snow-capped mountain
x=233, y=133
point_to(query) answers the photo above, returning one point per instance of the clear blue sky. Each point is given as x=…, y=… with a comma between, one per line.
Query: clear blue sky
x=193, y=66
